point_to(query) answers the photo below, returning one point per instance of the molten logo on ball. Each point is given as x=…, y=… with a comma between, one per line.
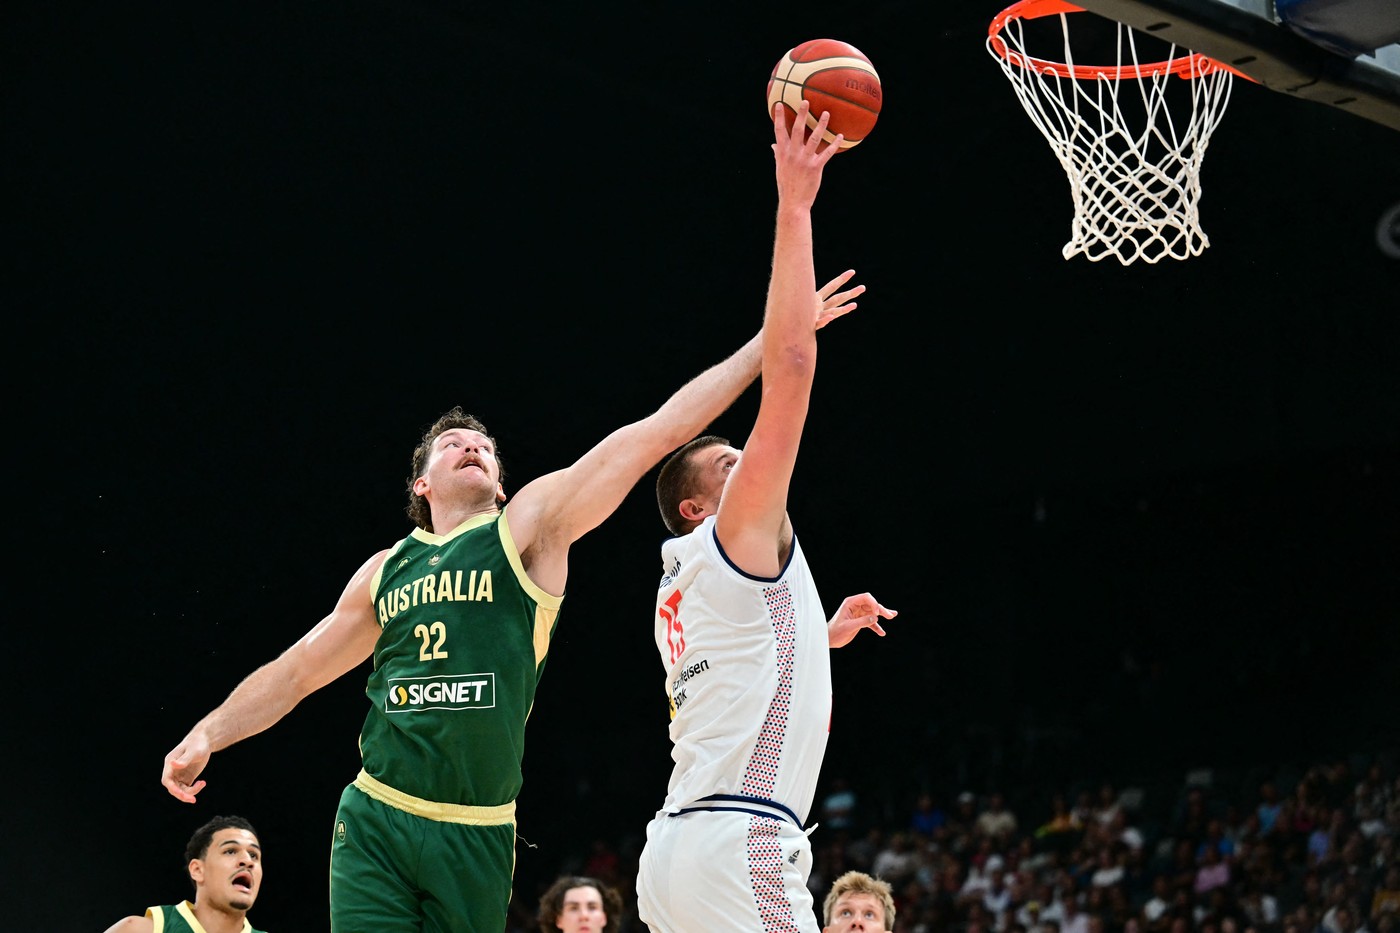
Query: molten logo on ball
x=832, y=76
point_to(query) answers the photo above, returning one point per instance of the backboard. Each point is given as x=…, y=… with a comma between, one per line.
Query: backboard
x=1342, y=53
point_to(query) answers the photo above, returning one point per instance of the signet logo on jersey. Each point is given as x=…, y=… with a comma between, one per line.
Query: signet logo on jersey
x=462, y=691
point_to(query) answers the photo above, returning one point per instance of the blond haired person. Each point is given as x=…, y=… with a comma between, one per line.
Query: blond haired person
x=858, y=903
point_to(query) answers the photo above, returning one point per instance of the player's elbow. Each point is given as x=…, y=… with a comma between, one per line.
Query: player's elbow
x=792, y=360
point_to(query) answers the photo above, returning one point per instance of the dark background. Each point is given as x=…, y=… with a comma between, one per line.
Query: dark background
x=1136, y=520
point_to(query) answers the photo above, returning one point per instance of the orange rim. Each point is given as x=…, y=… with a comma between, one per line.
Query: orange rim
x=1191, y=65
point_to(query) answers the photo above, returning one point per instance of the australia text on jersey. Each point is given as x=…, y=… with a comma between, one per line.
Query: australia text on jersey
x=448, y=586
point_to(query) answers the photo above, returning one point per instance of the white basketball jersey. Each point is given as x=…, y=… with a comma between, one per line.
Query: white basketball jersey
x=748, y=672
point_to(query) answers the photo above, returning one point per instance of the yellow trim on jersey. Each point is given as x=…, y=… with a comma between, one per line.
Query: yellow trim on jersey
x=544, y=627
x=547, y=604
x=442, y=812
x=427, y=537
x=546, y=600
x=186, y=910
x=157, y=919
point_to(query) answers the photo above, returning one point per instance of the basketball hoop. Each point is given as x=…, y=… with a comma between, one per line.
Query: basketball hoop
x=1134, y=168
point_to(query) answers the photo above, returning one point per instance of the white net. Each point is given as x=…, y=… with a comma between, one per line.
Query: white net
x=1130, y=136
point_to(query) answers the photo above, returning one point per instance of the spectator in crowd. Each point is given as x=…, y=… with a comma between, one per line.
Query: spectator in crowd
x=1073, y=919
x=1318, y=845
x=896, y=860
x=961, y=821
x=1336, y=899
x=979, y=878
x=1384, y=850
x=1192, y=817
x=839, y=805
x=1342, y=920
x=1269, y=885
x=1182, y=866
x=928, y=817
x=577, y=903
x=996, y=822
x=1028, y=917
x=1217, y=908
x=1061, y=824
x=1216, y=836
x=1083, y=808
x=996, y=899
x=1032, y=858
x=1106, y=805
x=862, y=850
x=1386, y=899
x=1259, y=907
x=1108, y=870
x=858, y=902
x=1213, y=871
x=1368, y=801
x=1308, y=896
x=1268, y=807
x=1154, y=911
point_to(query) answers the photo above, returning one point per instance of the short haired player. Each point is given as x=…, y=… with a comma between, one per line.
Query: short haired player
x=224, y=862
x=741, y=629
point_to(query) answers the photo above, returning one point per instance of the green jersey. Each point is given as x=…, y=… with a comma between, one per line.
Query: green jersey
x=463, y=639
x=180, y=918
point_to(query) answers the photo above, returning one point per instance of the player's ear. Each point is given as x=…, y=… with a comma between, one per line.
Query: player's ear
x=420, y=486
x=196, y=869
x=500, y=493
x=692, y=510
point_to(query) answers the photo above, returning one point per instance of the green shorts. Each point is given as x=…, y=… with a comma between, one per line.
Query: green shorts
x=395, y=871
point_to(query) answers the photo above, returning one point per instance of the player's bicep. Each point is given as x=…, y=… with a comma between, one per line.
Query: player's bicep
x=754, y=505
x=567, y=504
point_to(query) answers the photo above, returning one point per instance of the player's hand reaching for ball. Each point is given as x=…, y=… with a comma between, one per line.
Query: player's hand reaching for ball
x=857, y=612
x=831, y=303
x=799, y=163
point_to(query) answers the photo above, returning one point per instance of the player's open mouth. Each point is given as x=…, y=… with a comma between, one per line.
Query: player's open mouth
x=243, y=880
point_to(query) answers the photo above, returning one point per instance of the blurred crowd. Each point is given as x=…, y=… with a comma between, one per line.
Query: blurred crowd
x=1287, y=849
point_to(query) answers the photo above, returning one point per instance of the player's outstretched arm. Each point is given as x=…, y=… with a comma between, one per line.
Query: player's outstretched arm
x=559, y=508
x=132, y=925
x=857, y=612
x=753, y=513
x=334, y=646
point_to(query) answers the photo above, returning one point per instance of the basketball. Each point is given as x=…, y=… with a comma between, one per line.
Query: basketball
x=832, y=76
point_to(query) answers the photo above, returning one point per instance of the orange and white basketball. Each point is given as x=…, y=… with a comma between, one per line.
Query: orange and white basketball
x=832, y=76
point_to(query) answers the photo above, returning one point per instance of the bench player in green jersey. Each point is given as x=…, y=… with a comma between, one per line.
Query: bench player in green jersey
x=224, y=860
x=458, y=617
